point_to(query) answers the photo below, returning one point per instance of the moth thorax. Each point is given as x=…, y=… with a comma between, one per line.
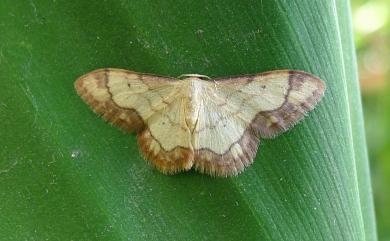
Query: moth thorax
x=195, y=100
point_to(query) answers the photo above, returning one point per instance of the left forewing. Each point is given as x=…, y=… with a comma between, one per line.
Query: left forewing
x=125, y=98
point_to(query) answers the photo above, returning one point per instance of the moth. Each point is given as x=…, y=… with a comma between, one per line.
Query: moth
x=213, y=125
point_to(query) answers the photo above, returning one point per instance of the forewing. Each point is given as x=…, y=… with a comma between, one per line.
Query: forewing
x=283, y=100
x=124, y=98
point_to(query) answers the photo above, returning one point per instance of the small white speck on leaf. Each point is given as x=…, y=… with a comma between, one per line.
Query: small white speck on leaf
x=75, y=154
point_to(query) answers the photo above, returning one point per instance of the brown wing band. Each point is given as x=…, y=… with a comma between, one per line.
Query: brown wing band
x=124, y=118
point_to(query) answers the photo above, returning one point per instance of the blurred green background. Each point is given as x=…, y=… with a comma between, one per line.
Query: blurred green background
x=371, y=20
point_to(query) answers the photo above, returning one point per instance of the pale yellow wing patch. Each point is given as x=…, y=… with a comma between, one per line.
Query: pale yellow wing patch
x=167, y=140
x=147, y=95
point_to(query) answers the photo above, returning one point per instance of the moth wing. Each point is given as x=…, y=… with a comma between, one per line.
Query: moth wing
x=239, y=110
x=153, y=106
x=284, y=98
x=125, y=99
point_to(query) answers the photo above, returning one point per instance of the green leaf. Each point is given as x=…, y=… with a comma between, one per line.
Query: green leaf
x=67, y=175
